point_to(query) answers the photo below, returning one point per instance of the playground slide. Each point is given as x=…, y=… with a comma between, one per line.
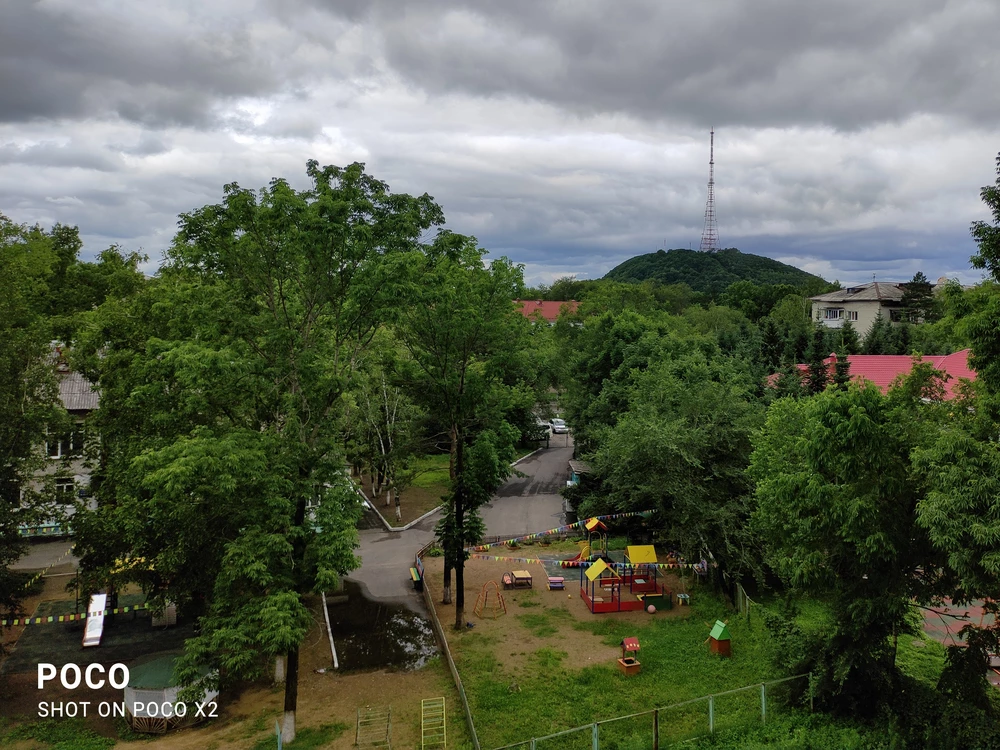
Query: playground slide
x=583, y=554
x=94, y=629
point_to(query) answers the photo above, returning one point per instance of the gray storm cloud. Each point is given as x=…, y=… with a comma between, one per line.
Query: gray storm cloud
x=852, y=137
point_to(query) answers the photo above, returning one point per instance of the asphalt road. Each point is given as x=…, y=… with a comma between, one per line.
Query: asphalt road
x=523, y=505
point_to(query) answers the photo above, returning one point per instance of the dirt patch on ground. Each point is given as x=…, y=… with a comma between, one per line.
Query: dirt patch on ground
x=535, y=618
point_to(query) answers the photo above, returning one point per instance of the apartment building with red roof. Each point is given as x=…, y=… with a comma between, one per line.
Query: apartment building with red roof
x=549, y=310
x=883, y=369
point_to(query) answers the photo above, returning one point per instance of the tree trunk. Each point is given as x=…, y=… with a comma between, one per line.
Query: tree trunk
x=452, y=472
x=446, y=599
x=399, y=511
x=459, y=500
x=291, y=697
x=292, y=660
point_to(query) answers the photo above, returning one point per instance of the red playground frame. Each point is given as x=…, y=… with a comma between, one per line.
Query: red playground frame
x=606, y=590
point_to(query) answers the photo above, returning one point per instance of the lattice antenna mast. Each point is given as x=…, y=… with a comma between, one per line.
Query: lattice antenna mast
x=710, y=235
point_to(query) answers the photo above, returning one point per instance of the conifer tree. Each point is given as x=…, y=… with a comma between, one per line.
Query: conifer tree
x=849, y=340
x=878, y=340
x=819, y=376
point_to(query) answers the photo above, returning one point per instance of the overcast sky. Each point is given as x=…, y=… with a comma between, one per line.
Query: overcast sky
x=852, y=136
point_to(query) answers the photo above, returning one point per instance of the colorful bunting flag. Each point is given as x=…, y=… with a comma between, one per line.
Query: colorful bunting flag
x=69, y=618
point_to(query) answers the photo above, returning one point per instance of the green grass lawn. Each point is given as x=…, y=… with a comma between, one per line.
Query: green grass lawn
x=544, y=697
x=431, y=472
x=676, y=666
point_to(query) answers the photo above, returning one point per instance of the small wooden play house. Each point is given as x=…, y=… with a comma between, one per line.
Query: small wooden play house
x=629, y=664
x=719, y=640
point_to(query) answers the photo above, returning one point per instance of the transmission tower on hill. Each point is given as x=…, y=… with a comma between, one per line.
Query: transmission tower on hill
x=710, y=234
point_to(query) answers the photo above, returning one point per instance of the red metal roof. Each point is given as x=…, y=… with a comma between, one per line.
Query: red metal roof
x=883, y=369
x=549, y=309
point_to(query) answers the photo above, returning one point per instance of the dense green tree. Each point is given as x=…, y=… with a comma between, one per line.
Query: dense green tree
x=838, y=515
x=789, y=382
x=960, y=467
x=901, y=338
x=682, y=448
x=222, y=386
x=28, y=395
x=919, y=305
x=772, y=345
x=879, y=339
x=847, y=339
x=756, y=300
x=819, y=374
x=949, y=332
x=382, y=423
x=842, y=370
x=463, y=333
x=983, y=326
x=987, y=236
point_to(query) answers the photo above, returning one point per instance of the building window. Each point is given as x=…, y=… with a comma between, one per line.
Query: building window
x=64, y=490
x=833, y=313
x=896, y=316
x=65, y=446
x=851, y=315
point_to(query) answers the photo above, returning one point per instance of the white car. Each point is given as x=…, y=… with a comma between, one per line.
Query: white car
x=559, y=427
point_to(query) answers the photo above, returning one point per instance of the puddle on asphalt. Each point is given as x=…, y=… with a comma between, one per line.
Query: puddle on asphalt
x=373, y=635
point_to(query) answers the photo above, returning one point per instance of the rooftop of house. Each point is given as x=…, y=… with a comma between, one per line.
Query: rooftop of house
x=548, y=309
x=883, y=369
x=76, y=392
x=875, y=291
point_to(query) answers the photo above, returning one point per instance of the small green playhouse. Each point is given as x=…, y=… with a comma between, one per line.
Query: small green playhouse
x=719, y=640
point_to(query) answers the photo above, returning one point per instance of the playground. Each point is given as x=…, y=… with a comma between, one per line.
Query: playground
x=549, y=663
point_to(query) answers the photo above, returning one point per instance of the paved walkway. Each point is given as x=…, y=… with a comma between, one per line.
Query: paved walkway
x=524, y=504
x=43, y=554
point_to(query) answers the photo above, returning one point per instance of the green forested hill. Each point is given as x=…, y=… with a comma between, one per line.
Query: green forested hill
x=713, y=272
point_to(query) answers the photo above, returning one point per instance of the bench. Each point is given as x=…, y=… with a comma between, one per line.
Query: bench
x=508, y=581
x=556, y=583
x=418, y=581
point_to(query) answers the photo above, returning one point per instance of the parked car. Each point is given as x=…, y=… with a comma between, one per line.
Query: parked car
x=559, y=426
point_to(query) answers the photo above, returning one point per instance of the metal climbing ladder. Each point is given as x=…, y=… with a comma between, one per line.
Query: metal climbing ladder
x=374, y=727
x=433, y=731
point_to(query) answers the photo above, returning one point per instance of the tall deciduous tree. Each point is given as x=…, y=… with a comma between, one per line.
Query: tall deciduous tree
x=837, y=503
x=463, y=331
x=28, y=393
x=983, y=327
x=222, y=390
x=682, y=448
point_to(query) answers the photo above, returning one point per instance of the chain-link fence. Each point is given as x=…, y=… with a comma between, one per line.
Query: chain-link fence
x=663, y=727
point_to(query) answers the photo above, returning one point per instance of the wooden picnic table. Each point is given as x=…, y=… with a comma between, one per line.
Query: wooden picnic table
x=522, y=579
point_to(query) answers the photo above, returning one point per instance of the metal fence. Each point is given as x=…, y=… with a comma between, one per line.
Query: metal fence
x=680, y=722
x=743, y=602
